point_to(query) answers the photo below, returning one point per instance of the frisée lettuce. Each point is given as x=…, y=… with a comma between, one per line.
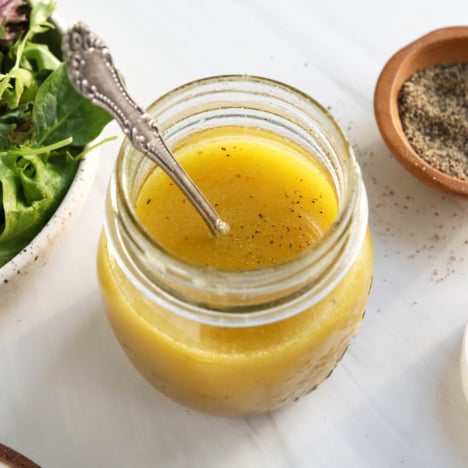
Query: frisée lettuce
x=44, y=124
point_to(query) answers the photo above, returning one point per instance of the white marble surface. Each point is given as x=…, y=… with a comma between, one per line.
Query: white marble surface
x=68, y=395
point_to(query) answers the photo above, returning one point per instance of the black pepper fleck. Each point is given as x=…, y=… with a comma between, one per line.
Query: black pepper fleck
x=433, y=108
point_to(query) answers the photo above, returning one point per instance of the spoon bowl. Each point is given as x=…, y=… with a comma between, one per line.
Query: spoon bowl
x=442, y=46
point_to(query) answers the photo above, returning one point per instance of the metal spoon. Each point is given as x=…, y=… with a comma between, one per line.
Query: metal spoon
x=92, y=72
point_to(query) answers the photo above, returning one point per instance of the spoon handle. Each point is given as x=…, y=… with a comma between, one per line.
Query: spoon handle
x=93, y=74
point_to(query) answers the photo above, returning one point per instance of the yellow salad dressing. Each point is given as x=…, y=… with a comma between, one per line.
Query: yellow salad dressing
x=277, y=204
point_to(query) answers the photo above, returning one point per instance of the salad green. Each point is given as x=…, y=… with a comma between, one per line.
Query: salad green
x=44, y=124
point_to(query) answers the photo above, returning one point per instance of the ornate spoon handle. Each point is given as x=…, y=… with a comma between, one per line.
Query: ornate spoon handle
x=93, y=74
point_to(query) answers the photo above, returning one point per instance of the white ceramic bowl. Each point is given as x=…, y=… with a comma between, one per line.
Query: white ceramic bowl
x=464, y=363
x=15, y=273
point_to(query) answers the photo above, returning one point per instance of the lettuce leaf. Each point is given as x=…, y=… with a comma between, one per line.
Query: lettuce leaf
x=31, y=188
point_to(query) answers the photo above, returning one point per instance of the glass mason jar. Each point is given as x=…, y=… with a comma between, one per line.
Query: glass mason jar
x=237, y=342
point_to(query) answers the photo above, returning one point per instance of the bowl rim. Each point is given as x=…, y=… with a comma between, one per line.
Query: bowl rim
x=464, y=363
x=388, y=120
x=14, y=459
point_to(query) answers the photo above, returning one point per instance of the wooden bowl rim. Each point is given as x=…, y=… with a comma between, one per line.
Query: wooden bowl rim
x=13, y=459
x=388, y=120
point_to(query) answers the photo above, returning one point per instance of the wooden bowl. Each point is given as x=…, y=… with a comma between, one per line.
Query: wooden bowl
x=442, y=46
x=10, y=458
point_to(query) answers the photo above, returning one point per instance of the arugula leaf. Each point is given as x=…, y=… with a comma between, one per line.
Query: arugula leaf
x=22, y=80
x=19, y=78
x=43, y=58
x=59, y=111
x=40, y=13
x=5, y=129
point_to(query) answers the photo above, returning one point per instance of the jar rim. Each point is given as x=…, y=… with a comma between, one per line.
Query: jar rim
x=269, y=274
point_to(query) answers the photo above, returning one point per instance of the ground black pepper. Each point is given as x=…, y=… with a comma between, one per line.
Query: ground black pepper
x=433, y=107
